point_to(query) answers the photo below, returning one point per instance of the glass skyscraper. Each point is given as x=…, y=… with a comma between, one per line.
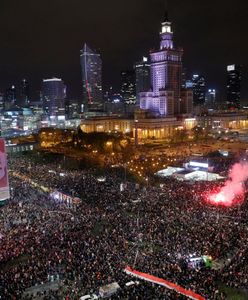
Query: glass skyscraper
x=142, y=74
x=199, y=89
x=233, y=86
x=128, y=86
x=53, y=96
x=10, y=97
x=91, y=65
x=24, y=94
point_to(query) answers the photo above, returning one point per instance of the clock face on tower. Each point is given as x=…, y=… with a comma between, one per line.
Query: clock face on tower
x=166, y=29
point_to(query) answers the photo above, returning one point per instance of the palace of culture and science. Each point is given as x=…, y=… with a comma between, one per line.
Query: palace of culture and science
x=166, y=97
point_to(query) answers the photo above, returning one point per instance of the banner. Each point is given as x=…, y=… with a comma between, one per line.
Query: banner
x=65, y=199
x=165, y=283
x=4, y=181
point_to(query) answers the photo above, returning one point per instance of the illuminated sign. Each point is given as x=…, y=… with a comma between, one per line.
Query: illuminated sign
x=52, y=79
x=231, y=68
x=61, y=118
x=4, y=181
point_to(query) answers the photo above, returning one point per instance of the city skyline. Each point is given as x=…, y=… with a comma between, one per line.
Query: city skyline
x=123, y=37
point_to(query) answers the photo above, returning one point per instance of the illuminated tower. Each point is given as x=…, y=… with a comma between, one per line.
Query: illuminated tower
x=91, y=65
x=166, y=74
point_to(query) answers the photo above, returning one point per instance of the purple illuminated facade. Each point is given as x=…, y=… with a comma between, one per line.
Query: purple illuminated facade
x=166, y=72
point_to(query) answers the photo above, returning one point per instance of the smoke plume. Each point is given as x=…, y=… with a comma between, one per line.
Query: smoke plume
x=234, y=187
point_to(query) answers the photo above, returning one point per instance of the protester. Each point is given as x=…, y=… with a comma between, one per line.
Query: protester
x=88, y=245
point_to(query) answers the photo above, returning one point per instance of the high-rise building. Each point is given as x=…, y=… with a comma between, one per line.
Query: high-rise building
x=142, y=74
x=72, y=108
x=186, y=103
x=53, y=96
x=24, y=99
x=166, y=76
x=128, y=86
x=10, y=97
x=234, y=77
x=199, y=89
x=211, y=96
x=91, y=65
x=189, y=84
x=1, y=101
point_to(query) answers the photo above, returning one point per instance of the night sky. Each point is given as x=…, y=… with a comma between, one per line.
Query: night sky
x=41, y=39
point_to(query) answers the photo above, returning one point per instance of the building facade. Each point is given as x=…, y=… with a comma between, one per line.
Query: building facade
x=142, y=77
x=166, y=76
x=186, y=103
x=1, y=102
x=199, y=89
x=91, y=65
x=128, y=91
x=107, y=124
x=234, y=77
x=24, y=98
x=53, y=97
x=211, y=98
x=72, y=108
x=10, y=97
x=223, y=121
x=158, y=128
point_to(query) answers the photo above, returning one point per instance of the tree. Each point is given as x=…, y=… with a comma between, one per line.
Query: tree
x=180, y=135
x=198, y=133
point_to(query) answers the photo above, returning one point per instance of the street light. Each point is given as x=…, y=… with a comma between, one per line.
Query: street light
x=136, y=132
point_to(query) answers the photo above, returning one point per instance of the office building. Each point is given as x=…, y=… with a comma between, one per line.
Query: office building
x=166, y=77
x=128, y=91
x=233, y=86
x=1, y=101
x=109, y=92
x=142, y=77
x=24, y=97
x=91, y=65
x=199, y=89
x=222, y=121
x=211, y=98
x=10, y=97
x=189, y=84
x=53, y=96
x=186, y=103
x=72, y=109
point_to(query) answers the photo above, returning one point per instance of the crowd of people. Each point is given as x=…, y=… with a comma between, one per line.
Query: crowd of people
x=88, y=245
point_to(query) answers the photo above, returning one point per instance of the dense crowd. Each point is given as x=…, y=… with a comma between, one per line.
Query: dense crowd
x=86, y=246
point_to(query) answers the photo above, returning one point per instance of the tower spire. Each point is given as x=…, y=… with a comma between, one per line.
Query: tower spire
x=166, y=32
x=166, y=18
